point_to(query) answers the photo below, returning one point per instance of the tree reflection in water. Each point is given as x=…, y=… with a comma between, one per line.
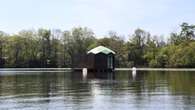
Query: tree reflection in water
x=120, y=90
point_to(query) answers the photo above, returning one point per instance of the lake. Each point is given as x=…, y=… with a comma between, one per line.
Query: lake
x=64, y=90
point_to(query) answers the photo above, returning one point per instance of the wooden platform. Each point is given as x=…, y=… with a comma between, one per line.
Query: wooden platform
x=156, y=69
x=93, y=70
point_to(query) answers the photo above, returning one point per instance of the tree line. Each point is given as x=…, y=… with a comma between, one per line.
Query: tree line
x=55, y=48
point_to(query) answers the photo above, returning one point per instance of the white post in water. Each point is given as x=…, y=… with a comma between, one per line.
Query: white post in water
x=84, y=72
x=134, y=72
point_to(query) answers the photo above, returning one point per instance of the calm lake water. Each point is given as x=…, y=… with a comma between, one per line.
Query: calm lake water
x=148, y=90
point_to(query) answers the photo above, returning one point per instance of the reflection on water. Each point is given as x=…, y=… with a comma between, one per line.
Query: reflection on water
x=100, y=91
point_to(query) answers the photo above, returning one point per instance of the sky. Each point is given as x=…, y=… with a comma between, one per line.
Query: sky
x=159, y=17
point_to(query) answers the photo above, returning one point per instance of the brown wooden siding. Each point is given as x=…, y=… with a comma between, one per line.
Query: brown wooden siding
x=93, y=61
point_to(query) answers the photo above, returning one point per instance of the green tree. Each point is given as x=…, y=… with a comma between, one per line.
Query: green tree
x=2, y=43
x=185, y=35
x=136, y=47
x=45, y=36
x=77, y=42
x=30, y=50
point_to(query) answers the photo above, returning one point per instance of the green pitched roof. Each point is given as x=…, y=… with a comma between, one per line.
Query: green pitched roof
x=101, y=49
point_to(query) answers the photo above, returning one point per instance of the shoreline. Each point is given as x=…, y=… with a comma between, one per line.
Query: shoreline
x=156, y=69
x=71, y=69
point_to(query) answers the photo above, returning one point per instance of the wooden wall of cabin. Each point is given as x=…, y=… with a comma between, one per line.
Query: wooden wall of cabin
x=90, y=61
x=79, y=61
x=113, y=57
x=101, y=61
x=84, y=61
x=93, y=61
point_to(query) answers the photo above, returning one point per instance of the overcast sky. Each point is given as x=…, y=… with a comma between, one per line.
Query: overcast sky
x=123, y=16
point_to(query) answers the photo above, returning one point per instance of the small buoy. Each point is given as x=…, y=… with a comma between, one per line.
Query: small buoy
x=84, y=72
x=134, y=72
x=134, y=69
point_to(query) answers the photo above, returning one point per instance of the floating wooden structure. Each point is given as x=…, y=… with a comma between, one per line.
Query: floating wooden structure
x=99, y=59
